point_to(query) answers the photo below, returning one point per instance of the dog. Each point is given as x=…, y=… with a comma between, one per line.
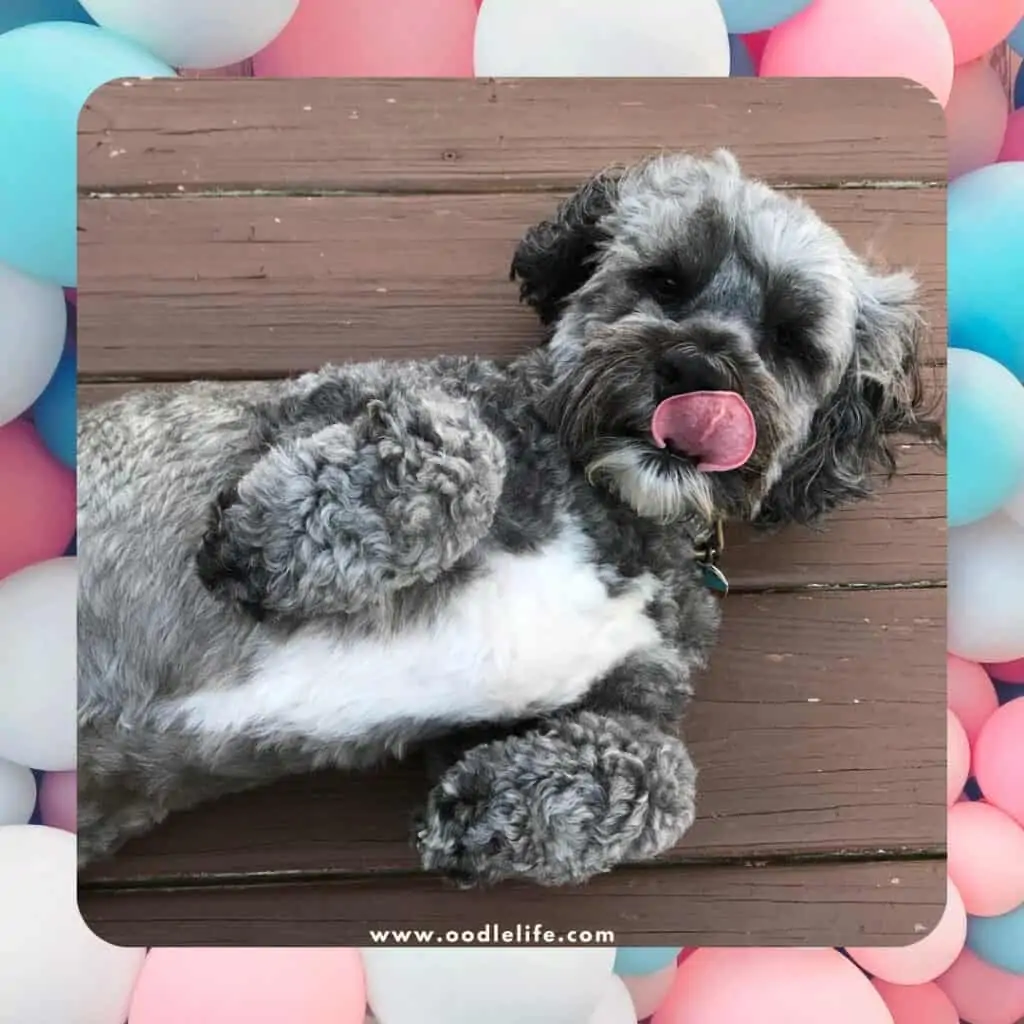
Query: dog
x=510, y=565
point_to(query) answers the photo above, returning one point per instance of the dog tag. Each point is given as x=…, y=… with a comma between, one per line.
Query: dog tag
x=714, y=579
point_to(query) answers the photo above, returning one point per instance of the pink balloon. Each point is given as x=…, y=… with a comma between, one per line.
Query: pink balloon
x=1011, y=151
x=58, y=800
x=250, y=986
x=985, y=851
x=983, y=994
x=374, y=39
x=755, y=43
x=975, y=26
x=972, y=697
x=37, y=500
x=975, y=117
x=870, y=38
x=999, y=761
x=648, y=991
x=1007, y=671
x=771, y=986
x=917, y=1004
x=958, y=759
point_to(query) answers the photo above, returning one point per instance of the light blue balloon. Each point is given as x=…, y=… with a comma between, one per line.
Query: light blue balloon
x=985, y=235
x=999, y=941
x=755, y=15
x=47, y=72
x=631, y=960
x=1016, y=39
x=985, y=444
x=741, y=64
x=55, y=411
x=15, y=13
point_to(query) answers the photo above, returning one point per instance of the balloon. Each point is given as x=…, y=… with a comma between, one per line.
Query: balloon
x=771, y=986
x=37, y=500
x=958, y=759
x=15, y=13
x=983, y=994
x=917, y=1004
x=976, y=27
x=1018, y=89
x=55, y=411
x=871, y=38
x=999, y=763
x=33, y=322
x=985, y=416
x=397, y=39
x=196, y=33
x=598, y=38
x=615, y=1006
x=58, y=800
x=1016, y=38
x=999, y=941
x=17, y=793
x=975, y=117
x=985, y=600
x=972, y=697
x=53, y=967
x=757, y=15
x=1014, y=508
x=1007, y=671
x=506, y=985
x=985, y=854
x=250, y=985
x=38, y=637
x=1013, y=139
x=631, y=960
x=741, y=65
x=985, y=223
x=648, y=991
x=47, y=72
x=755, y=42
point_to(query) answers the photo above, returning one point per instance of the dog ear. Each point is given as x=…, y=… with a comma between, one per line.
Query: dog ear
x=881, y=394
x=556, y=256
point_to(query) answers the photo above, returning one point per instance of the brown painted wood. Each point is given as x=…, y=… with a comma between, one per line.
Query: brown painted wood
x=888, y=902
x=258, y=287
x=473, y=135
x=819, y=727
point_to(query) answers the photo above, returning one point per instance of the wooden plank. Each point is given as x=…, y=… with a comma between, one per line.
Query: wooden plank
x=889, y=902
x=473, y=135
x=258, y=287
x=819, y=727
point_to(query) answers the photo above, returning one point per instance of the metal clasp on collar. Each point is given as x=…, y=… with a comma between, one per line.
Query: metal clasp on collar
x=714, y=579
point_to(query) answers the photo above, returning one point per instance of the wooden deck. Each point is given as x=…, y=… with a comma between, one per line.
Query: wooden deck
x=240, y=229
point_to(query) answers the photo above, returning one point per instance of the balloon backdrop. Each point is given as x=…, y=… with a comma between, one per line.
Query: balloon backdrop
x=53, y=968
x=1018, y=88
x=1016, y=38
x=15, y=13
x=972, y=697
x=958, y=758
x=985, y=854
x=55, y=411
x=976, y=117
x=614, y=1005
x=1013, y=139
x=917, y=1004
x=976, y=27
x=999, y=941
x=983, y=994
x=17, y=793
x=741, y=65
x=648, y=991
x=58, y=799
x=1007, y=671
x=598, y=38
x=633, y=960
x=47, y=72
x=999, y=763
x=871, y=38
x=195, y=33
x=757, y=15
x=38, y=637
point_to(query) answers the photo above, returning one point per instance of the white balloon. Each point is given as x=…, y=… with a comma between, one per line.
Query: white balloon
x=508, y=985
x=601, y=38
x=17, y=794
x=616, y=1006
x=33, y=323
x=52, y=967
x=196, y=33
x=1015, y=508
x=985, y=603
x=38, y=665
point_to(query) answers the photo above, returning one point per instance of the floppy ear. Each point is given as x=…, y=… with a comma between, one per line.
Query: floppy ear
x=556, y=256
x=881, y=394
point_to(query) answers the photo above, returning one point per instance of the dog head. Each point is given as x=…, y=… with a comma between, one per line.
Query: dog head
x=680, y=275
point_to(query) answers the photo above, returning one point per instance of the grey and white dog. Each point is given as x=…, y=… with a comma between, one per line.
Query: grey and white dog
x=322, y=572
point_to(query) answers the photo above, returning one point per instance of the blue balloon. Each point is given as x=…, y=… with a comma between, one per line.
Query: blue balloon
x=1018, y=89
x=755, y=15
x=55, y=411
x=1016, y=39
x=631, y=960
x=999, y=941
x=15, y=13
x=47, y=72
x=741, y=63
x=985, y=444
x=985, y=238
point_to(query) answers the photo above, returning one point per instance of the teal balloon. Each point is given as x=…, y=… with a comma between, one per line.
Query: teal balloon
x=999, y=941
x=985, y=428
x=47, y=72
x=755, y=15
x=55, y=411
x=985, y=256
x=15, y=13
x=1016, y=39
x=631, y=960
x=741, y=65
x=1018, y=89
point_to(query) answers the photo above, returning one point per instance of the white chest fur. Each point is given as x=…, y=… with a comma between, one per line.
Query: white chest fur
x=533, y=632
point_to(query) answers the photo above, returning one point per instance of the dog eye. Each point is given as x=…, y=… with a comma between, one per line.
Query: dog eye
x=664, y=286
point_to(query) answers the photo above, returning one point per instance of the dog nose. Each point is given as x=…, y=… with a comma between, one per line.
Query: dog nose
x=681, y=370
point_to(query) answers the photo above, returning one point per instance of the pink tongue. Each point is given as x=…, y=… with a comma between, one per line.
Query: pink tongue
x=715, y=427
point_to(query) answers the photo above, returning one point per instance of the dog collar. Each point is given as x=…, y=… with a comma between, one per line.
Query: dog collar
x=708, y=554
